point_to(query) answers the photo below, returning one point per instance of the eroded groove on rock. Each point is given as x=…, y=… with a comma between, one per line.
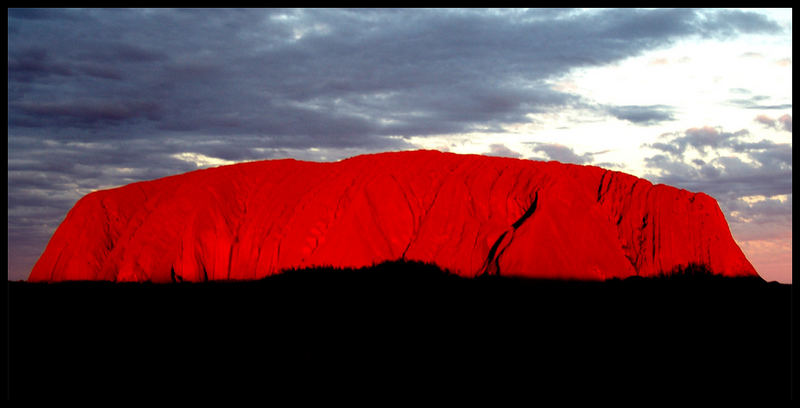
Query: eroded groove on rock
x=492, y=259
x=527, y=213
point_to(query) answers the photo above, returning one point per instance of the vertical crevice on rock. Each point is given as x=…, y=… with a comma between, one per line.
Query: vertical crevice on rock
x=600, y=186
x=527, y=213
x=485, y=270
x=110, y=239
x=601, y=192
x=175, y=277
x=493, y=258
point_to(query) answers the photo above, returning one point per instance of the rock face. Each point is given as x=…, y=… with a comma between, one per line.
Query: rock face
x=468, y=214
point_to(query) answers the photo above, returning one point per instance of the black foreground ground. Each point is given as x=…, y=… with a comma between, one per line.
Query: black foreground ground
x=403, y=324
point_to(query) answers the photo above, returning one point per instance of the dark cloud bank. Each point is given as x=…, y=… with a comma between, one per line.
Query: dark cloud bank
x=99, y=98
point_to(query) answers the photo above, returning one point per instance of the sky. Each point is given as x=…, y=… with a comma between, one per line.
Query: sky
x=697, y=99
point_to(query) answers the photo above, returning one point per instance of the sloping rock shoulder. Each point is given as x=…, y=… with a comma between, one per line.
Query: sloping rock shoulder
x=469, y=214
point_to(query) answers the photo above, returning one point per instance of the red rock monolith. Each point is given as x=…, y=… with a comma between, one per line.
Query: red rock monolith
x=468, y=214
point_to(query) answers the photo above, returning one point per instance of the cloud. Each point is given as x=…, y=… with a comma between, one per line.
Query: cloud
x=743, y=91
x=758, y=102
x=782, y=123
x=95, y=91
x=761, y=209
x=751, y=54
x=82, y=113
x=752, y=181
x=762, y=227
x=786, y=122
x=701, y=139
x=39, y=14
x=28, y=64
x=565, y=154
x=561, y=153
x=499, y=149
x=708, y=137
x=642, y=115
x=436, y=72
x=728, y=22
x=765, y=120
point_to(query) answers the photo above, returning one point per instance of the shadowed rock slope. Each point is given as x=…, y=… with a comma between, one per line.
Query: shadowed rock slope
x=469, y=214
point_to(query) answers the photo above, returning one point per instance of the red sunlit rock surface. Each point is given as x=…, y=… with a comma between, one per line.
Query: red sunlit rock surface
x=466, y=213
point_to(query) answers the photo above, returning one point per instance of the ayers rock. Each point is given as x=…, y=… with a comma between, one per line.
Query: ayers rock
x=468, y=214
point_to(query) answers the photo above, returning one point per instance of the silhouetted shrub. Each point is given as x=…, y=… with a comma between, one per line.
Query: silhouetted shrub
x=692, y=271
x=399, y=269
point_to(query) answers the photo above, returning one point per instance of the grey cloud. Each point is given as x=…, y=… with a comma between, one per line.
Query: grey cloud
x=758, y=102
x=446, y=57
x=768, y=219
x=701, y=139
x=672, y=170
x=765, y=120
x=28, y=64
x=642, y=115
x=730, y=178
x=729, y=22
x=561, y=153
x=126, y=53
x=777, y=155
x=499, y=149
x=710, y=171
x=780, y=106
x=100, y=71
x=82, y=113
x=767, y=172
x=786, y=122
x=769, y=209
x=782, y=123
x=708, y=137
x=676, y=149
x=38, y=14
